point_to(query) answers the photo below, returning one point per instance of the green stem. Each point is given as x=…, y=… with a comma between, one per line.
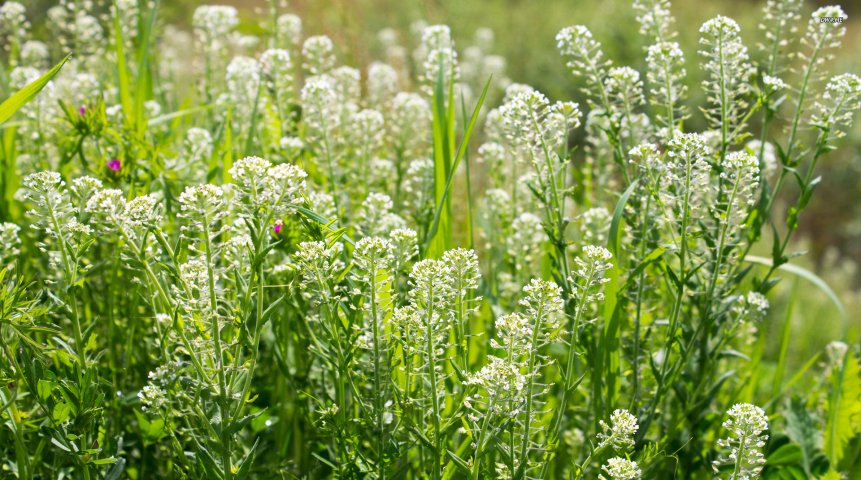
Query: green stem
x=219, y=353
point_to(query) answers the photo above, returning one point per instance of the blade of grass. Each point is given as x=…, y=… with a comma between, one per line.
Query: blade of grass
x=807, y=275
x=249, y=140
x=143, y=81
x=792, y=381
x=460, y=153
x=469, y=217
x=8, y=169
x=784, y=342
x=122, y=72
x=442, y=166
x=21, y=97
x=228, y=149
x=613, y=237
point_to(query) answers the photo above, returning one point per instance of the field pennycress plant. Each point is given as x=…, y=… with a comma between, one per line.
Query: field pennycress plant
x=265, y=264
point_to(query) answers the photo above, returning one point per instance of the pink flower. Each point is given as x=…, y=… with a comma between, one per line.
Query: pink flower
x=115, y=165
x=277, y=228
x=82, y=110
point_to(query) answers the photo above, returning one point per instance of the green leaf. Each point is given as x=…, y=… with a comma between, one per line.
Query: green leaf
x=843, y=407
x=178, y=114
x=151, y=430
x=613, y=237
x=831, y=475
x=807, y=275
x=788, y=454
x=43, y=389
x=242, y=422
x=326, y=223
x=245, y=466
x=21, y=97
x=122, y=70
x=803, y=430
x=458, y=461
x=60, y=445
x=117, y=470
x=443, y=200
x=62, y=412
x=785, y=338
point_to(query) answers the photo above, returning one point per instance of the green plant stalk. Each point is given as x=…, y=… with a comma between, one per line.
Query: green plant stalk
x=801, y=96
x=808, y=71
x=668, y=84
x=340, y=373
x=820, y=150
x=635, y=364
x=378, y=377
x=677, y=304
x=219, y=353
x=481, y=443
x=724, y=121
x=706, y=318
x=22, y=455
x=581, y=469
x=167, y=303
x=71, y=278
x=527, y=419
x=742, y=450
x=461, y=326
x=772, y=66
x=258, y=329
x=431, y=357
x=559, y=204
x=605, y=102
x=568, y=373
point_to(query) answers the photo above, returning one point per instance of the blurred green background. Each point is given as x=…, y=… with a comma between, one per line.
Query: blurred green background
x=524, y=36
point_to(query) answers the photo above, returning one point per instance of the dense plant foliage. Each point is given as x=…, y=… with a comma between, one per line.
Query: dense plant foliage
x=253, y=262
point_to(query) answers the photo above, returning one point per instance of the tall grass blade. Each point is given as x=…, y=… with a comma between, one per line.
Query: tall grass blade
x=441, y=202
x=807, y=275
x=122, y=71
x=21, y=97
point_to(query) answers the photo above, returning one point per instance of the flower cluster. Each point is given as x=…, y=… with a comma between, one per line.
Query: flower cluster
x=619, y=434
x=589, y=273
x=746, y=426
x=842, y=98
x=584, y=56
x=726, y=61
x=618, y=468
x=655, y=19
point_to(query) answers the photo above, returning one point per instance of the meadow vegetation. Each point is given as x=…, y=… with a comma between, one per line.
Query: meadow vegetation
x=227, y=254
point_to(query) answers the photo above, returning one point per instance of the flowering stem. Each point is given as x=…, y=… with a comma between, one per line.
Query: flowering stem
x=740, y=456
x=724, y=121
x=378, y=377
x=638, y=317
x=219, y=353
x=671, y=127
x=431, y=357
x=568, y=373
x=710, y=297
x=800, y=107
x=663, y=384
x=530, y=369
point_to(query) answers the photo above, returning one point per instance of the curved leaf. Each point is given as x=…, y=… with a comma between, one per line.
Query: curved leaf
x=616, y=223
x=807, y=275
x=21, y=97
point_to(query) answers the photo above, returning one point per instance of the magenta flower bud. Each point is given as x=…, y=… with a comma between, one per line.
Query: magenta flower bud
x=277, y=228
x=82, y=110
x=115, y=165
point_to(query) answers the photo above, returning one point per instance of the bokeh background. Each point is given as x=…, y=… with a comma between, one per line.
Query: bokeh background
x=524, y=35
